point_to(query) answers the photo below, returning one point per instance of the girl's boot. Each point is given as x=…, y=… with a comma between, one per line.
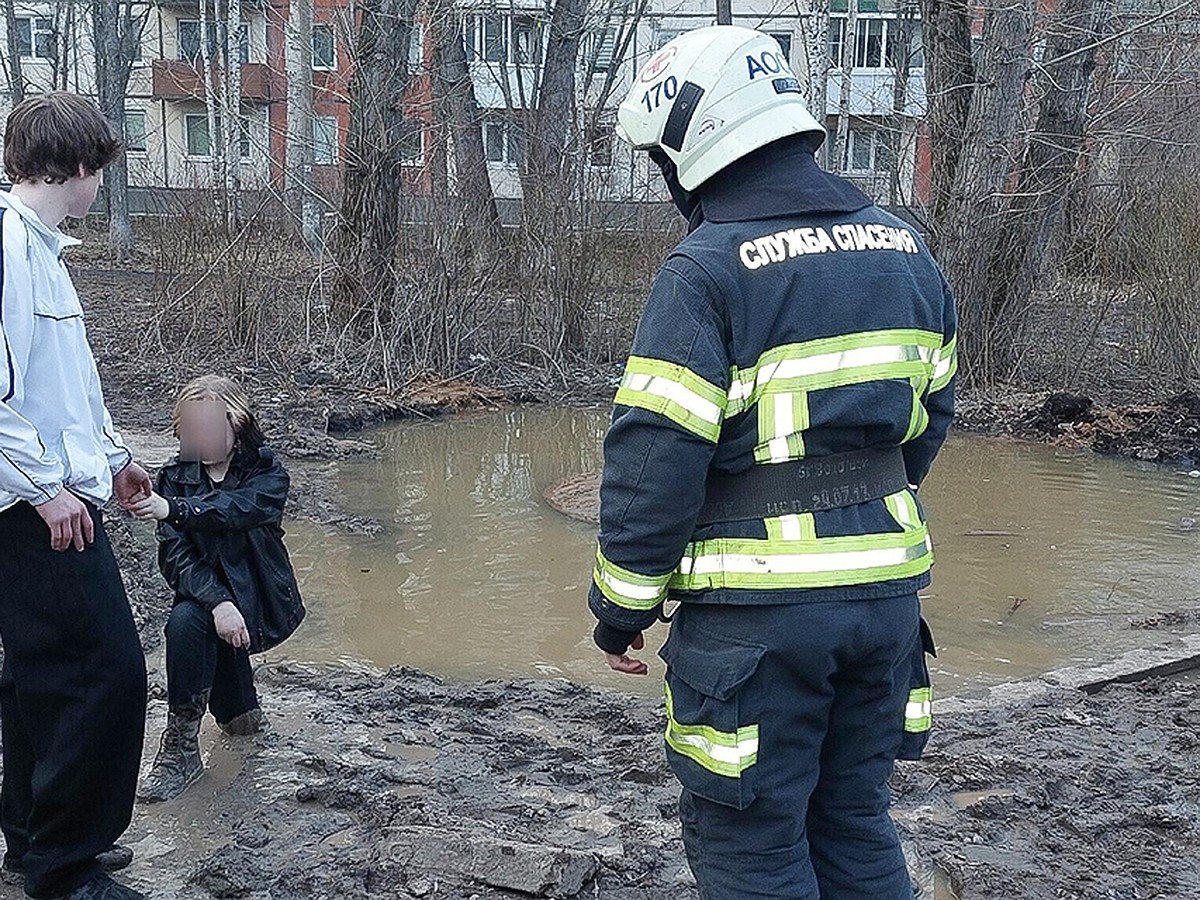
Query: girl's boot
x=178, y=764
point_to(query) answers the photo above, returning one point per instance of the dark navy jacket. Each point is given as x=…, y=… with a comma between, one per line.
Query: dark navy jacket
x=797, y=319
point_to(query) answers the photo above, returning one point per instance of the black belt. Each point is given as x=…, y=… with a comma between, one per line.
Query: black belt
x=803, y=485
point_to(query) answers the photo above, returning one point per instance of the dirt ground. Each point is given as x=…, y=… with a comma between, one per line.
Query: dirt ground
x=397, y=785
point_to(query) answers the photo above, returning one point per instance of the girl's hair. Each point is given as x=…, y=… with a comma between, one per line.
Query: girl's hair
x=237, y=408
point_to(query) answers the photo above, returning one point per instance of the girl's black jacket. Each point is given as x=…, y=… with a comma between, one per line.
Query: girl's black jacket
x=225, y=542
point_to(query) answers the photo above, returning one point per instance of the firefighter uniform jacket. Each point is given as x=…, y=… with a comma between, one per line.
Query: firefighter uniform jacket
x=796, y=320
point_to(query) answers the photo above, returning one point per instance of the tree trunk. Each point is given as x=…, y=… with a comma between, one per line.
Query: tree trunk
x=724, y=12
x=1028, y=241
x=300, y=189
x=473, y=184
x=552, y=138
x=231, y=52
x=973, y=223
x=903, y=59
x=116, y=31
x=949, y=85
x=849, y=51
x=16, y=74
x=816, y=33
x=216, y=141
x=370, y=223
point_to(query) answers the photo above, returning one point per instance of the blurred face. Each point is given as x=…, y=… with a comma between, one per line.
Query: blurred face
x=82, y=193
x=205, y=434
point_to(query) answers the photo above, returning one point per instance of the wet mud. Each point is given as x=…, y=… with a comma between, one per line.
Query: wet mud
x=398, y=785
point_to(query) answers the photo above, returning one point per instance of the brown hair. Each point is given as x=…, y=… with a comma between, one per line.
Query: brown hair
x=237, y=407
x=50, y=136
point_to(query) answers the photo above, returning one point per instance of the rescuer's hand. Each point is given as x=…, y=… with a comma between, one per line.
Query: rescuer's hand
x=622, y=662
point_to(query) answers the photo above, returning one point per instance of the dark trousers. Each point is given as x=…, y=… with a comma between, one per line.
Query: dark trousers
x=72, y=703
x=198, y=661
x=817, y=691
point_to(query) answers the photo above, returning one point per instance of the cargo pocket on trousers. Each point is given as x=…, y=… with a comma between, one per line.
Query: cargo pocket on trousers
x=918, y=711
x=711, y=747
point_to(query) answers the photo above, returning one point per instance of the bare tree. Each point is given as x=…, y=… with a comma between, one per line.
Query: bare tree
x=301, y=192
x=950, y=80
x=16, y=75
x=455, y=89
x=116, y=32
x=849, y=48
x=1052, y=161
x=231, y=37
x=370, y=222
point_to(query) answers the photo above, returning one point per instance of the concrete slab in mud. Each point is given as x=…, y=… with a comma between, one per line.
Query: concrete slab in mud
x=1164, y=660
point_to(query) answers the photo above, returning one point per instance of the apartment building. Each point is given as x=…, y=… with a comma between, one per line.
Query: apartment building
x=167, y=129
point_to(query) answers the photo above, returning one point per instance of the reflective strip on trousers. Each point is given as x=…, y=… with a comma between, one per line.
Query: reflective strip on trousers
x=721, y=752
x=629, y=589
x=673, y=391
x=918, y=712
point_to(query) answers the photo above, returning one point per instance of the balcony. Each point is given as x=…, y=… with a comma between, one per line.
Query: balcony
x=181, y=80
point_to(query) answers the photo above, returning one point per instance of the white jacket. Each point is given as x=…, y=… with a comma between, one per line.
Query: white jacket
x=54, y=428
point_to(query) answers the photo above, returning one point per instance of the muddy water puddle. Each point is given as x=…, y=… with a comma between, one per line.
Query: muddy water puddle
x=1043, y=555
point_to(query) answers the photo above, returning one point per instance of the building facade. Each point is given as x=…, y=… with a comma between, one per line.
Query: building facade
x=168, y=122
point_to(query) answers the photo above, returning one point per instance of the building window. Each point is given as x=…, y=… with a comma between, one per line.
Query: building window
x=412, y=142
x=526, y=40
x=189, y=41
x=504, y=142
x=868, y=43
x=36, y=38
x=504, y=39
x=135, y=131
x=601, y=49
x=324, y=48
x=486, y=38
x=600, y=142
x=416, y=51
x=196, y=138
x=877, y=44
x=784, y=39
x=325, y=140
x=869, y=150
x=837, y=41
x=662, y=38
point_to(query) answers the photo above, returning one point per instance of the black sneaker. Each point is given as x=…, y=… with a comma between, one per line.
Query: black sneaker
x=101, y=887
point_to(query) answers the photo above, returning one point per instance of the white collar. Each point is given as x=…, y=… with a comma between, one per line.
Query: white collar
x=55, y=239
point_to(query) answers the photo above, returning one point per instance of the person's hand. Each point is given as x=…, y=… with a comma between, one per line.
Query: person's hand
x=625, y=663
x=132, y=484
x=152, y=507
x=231, y=627
x=69, y=521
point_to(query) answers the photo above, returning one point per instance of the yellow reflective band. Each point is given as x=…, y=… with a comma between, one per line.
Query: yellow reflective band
x=824, y=562
x=673, y=391
x=836, y=362
x=918, y=712
x=782, y=420
x=904, y=510
x=629, y=589
x=945, y=365
x=919, y=419
x=721, y=752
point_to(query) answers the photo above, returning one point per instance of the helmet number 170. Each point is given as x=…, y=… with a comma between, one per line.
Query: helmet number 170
x=664, y=90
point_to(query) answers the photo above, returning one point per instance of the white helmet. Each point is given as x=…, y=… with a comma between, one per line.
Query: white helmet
x=712, y=96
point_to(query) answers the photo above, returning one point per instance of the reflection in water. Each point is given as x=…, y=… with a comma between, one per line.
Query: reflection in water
x=1041, y=555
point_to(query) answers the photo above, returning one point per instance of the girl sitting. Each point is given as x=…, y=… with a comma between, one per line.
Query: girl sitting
x=219, y=507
